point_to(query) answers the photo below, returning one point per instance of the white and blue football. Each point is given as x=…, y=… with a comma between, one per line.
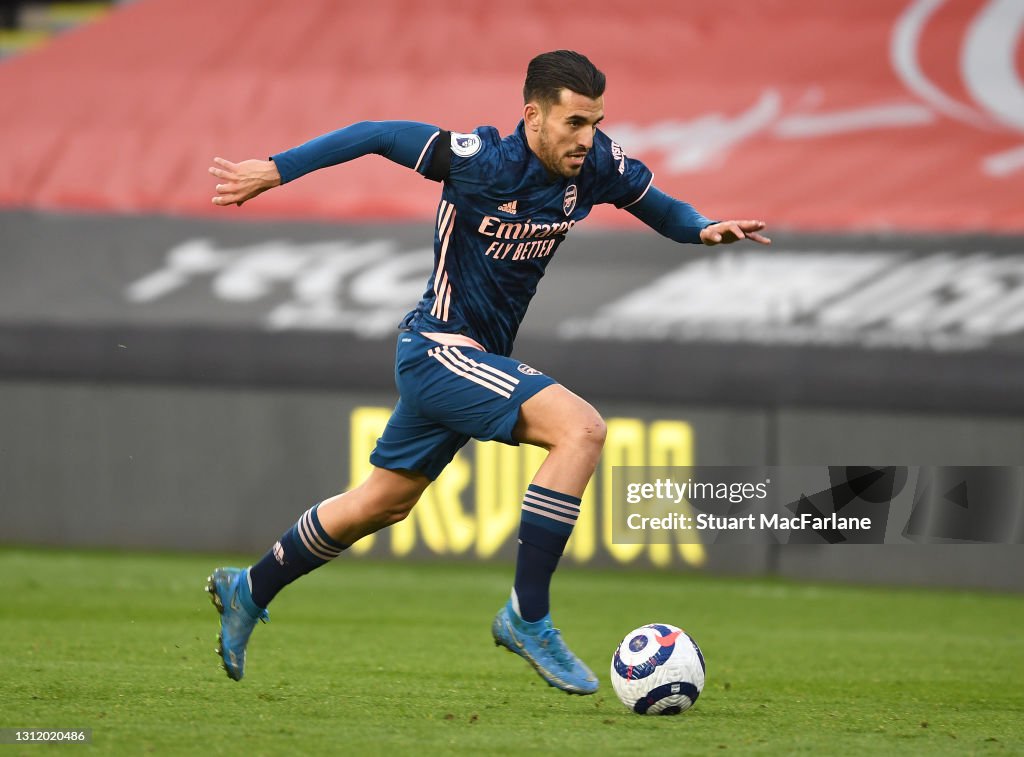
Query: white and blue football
x=658, y=670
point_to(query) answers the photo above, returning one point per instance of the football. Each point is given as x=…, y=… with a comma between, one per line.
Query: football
x=658, y=670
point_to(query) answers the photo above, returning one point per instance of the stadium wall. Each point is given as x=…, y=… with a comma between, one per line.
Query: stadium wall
x=195, y=468
x=172, y=383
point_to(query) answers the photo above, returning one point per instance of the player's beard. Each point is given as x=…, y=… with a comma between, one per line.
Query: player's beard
x=553, y=159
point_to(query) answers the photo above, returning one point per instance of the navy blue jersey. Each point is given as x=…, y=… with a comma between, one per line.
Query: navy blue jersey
x=499, y=222
x=501, y=215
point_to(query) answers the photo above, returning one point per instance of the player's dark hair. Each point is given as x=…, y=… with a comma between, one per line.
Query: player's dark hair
x=549, y=73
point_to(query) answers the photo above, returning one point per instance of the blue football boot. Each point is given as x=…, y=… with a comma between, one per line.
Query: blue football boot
x=541, y=645
x=229, y=591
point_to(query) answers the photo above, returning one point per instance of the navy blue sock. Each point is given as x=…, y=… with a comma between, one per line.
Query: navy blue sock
x=304, y=547
x=546, y=525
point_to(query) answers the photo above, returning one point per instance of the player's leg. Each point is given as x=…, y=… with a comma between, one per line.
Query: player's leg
x=325, y=530
x=573, y=432
x=411, y=452
x=570, y=429
x=383, y=499
x=241, y=595
x=491, y=397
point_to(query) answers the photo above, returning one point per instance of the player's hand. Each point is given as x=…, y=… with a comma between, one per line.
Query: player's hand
x=241, y=182
x=727, y=232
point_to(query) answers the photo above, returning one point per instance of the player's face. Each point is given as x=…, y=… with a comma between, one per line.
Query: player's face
x=564, y=131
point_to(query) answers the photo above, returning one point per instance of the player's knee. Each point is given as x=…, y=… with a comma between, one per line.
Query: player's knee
x=597, y=430
x=598, y=434
x=587, y=430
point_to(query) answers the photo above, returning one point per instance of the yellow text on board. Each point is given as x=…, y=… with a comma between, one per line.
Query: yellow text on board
x=473, y=507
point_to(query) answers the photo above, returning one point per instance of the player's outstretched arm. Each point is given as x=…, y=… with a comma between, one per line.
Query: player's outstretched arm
x=681, y=222
x=727, y=232
x=240, y=182
x=403, y=142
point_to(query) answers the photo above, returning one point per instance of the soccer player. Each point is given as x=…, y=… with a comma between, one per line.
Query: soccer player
x=506, y=205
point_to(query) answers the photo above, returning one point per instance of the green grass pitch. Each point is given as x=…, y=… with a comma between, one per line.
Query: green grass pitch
x=375, y=658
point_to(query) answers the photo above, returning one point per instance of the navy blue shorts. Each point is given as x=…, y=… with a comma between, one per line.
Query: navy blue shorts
x=447, y=396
